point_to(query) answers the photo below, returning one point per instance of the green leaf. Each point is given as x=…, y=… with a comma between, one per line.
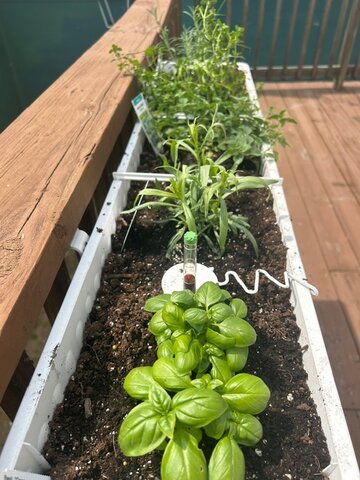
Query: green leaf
x=236, y=358
x=156, y=303
x=240, y=330
x=220, y=369
x=167, y=424
x=219, y=312
x=217, y=428
x=165, y=372
x=239, y=307
x=159, y=398
x=208, y=294
x=138, y=382
x=248, y=429
x=184, y=298
x=183, y=459
x=224, y=226
x=198, y=407
x=196, y=318
x=247, y=393
x=172, y=315
x=157, y=326
x=219, y=340
x=227, y=461
x=140, y=432
x=165, y=349
x=187, y=353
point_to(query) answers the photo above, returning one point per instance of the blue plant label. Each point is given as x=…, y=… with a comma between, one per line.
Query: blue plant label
x=147, y=122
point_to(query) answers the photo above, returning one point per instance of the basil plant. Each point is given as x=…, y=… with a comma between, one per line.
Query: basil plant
x=196, y=387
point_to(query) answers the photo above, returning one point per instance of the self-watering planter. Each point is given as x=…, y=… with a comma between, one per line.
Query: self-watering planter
x=22, y=458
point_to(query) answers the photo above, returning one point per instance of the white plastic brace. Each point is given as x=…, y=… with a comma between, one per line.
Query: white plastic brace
x=79, y=241
x=286, y=284
x=166, y=177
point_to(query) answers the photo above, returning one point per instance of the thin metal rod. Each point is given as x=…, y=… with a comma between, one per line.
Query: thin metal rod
x=258, y=33
x=132, y=221
x=290, y=38
x=305, y=42
x=320, y=43
x=357, y=67
x=337, y=37
x=348, y=44
x=228, y=14
x=275, y=34
x=245, y=18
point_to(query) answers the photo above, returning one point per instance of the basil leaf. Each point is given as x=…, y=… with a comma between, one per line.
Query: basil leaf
x=198, y=407
x=173, y=316
x=208, y=294
x=225, y=295
x=165, y=349
x=159, y=398
x=217, y=428
x=167, y=424
x=197, y=319
x=220, y=369
x=188, y=361
x=157, y=326
x=247, y=393
x=163, y=336
x=154, y=304
x=239, y=308
x=248, y=429
x=140, y=432
x=211, y=349
x=219, y=312
x=165, y=372
x=183, y=459
x=138, y=382
x=240, y=330
x=184, y=298
x=182, y=343
x=220, y=340
x=236, y=358
x=227, y=461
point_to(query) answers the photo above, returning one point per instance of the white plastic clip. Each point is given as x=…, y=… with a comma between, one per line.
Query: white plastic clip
x=79, y=241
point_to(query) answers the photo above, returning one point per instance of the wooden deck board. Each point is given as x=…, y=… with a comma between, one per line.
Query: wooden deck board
x=321, y=183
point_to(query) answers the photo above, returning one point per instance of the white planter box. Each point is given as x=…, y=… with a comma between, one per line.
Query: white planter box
x=21, y=458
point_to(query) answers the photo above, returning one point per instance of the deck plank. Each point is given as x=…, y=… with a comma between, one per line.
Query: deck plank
x=319, y=134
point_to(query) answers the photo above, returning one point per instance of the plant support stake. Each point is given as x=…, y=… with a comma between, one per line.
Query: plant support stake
x=286, y=284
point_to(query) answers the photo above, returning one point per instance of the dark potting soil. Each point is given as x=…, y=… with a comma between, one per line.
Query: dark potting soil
x=83, y=438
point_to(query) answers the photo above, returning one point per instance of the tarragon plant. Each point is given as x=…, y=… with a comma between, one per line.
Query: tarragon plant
x=196, y=387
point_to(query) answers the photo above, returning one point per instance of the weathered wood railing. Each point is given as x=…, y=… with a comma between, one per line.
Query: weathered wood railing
x=55, y=163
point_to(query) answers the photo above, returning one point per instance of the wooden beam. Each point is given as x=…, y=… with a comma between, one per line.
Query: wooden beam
x=52, y=157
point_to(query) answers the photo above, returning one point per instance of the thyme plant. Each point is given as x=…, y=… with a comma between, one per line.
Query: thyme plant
x=197, y=75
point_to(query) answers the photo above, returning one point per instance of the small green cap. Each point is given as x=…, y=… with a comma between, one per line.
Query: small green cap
x=190, y=238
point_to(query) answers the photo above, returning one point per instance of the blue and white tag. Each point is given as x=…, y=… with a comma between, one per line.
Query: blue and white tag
x=147, y=122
